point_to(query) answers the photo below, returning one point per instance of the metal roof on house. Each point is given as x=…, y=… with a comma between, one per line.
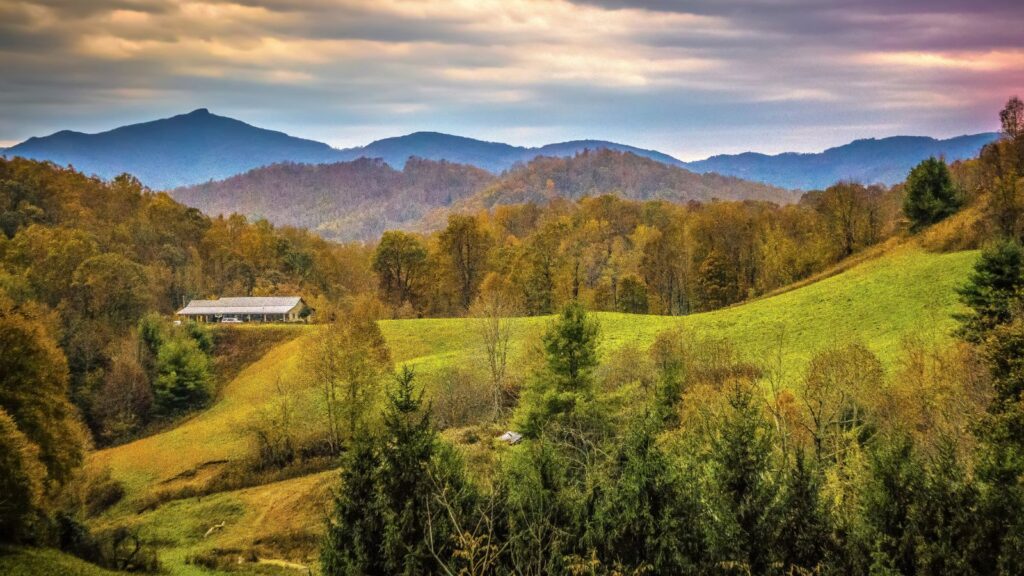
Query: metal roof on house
x=242, y=305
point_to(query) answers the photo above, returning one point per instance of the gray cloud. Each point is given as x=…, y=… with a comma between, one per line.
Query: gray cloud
x=691, y=77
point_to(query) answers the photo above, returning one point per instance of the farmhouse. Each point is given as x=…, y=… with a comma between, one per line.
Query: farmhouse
x=248, y=309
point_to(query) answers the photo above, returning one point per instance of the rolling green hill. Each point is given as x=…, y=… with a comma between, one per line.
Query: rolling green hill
x=905, y=292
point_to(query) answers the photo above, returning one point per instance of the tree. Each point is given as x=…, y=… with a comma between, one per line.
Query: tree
x=183, y=380
x=944, y=516
x=850, y=212
x=354, y=538
x=465, y=245
x=717, y=285
x=804, y=521
x=632, y=297
x=894, y=480
x=566, y=382
x=347, y=364
x=386, y=520
x=744, y=493
x=21, y=481
x=494, y=308
x=835, y=384
x=570, y=347
x=112, y=287
x=125, y=399
x=647, y=515
x=930, y=195
x=664, y=264
x=399, y=262
x=34, y=392
x=992, y=289
x=1012, y=118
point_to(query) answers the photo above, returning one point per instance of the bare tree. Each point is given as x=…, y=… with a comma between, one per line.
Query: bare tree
x=494, y=310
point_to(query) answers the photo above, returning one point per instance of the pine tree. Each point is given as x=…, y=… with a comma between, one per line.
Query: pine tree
x=646, y=516
x=565, y=387
x=930, y=194
x=804, y=523
x=992, y=289
x=386, y=520
x=745, y=492
x=944, y=516
x=355, y=533
x=892, y=488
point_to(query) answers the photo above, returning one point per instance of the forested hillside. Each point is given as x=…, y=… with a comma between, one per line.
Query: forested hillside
x=86, y=260
x=355, y=200
x=361, y=199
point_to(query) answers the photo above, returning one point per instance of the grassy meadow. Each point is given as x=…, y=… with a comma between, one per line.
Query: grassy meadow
x=906, y=292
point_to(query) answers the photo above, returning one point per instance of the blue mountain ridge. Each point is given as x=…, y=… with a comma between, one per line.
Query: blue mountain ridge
x=200, y=146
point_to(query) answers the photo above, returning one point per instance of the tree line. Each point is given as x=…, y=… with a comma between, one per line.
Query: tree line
x=622, y=255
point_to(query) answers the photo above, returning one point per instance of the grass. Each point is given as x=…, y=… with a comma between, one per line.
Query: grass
x=905, y=292
x=17, y=561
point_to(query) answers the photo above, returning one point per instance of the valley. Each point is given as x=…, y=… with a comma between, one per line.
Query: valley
x=902, y=293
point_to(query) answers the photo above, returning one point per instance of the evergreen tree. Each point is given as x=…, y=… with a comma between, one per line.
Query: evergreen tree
x=805, y=529
x=745, y=492
x=183, y=376
x=647, y=516
x=386, y=520
x=355, y=533
x=930, y=194
x=893, y=483
x=404, y=482
x=944, y=516
x=992, y=289
x=1000, y=466
x=566, y=385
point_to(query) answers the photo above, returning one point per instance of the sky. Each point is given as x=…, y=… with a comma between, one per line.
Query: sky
x=688, y=77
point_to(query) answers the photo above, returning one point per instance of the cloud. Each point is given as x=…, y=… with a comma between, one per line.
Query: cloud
x=688, y=76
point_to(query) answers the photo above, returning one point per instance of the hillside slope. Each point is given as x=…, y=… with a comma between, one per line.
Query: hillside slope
x=904, y=292
x=595, y=172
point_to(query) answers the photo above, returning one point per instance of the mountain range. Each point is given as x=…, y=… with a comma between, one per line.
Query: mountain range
x=870, y=161
x=200, y=146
